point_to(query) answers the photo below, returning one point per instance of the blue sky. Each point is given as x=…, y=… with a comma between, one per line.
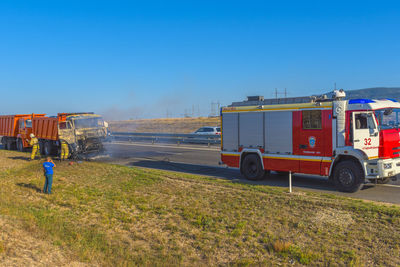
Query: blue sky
x=138, y=59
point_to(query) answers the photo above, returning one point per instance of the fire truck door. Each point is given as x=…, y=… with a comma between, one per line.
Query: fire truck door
x=311, y=142
x=365, y=133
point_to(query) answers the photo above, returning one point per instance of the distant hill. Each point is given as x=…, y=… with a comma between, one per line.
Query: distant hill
x=375, y=93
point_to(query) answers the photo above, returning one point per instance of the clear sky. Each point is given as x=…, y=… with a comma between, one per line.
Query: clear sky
x=138, y=59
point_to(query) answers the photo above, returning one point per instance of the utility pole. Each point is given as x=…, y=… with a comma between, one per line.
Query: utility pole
x=277, y=93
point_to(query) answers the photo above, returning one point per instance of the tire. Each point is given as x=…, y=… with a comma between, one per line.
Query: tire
x=4, y=142
x=20, y=145
x=348, y=176
x=47, y=148
x=10, y=144
x=252, y=168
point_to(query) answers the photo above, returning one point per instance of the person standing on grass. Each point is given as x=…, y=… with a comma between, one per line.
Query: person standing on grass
x=48, y=166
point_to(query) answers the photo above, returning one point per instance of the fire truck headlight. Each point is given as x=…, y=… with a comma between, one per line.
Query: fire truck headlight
x=387, y=166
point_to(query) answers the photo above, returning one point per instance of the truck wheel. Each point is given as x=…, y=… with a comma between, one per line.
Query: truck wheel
x=47, y=148
x=4, y=142
x=348, y=176
x=252, y=168
x=20, y=145
x=10, y=144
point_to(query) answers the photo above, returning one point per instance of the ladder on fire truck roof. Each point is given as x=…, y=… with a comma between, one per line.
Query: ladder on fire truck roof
x=260, y=101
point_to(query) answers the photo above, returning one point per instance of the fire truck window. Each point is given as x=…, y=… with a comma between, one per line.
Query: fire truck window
x=21, y=123
x=361, y=121
x=312, y=119
x=28, y=123
x=371, y=122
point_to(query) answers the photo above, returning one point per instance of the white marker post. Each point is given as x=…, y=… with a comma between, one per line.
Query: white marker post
x=290, y=182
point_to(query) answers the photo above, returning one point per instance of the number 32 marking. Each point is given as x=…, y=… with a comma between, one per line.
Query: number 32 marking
x=367, y=141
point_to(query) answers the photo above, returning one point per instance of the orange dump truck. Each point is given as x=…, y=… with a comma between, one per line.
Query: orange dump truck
x=15, y=130
x=84, y=132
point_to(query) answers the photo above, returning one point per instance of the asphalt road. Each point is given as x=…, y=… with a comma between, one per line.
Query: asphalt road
x=203, y=160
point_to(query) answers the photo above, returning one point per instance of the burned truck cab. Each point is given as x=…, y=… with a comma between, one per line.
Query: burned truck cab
x=84, y=132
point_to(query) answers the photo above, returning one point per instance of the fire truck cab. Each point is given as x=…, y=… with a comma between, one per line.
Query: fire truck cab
x=349, y=141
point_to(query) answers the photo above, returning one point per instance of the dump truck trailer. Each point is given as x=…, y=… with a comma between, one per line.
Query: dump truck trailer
x=84, y=132
x=349, y=141
x=15, y=130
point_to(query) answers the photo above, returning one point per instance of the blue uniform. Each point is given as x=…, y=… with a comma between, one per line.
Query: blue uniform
x=48, y=173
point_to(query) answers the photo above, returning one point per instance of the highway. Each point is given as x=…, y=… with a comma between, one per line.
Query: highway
x=203, y=160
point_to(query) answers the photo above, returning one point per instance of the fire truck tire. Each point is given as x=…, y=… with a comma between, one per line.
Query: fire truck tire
x=252, y=168
x=348, y=176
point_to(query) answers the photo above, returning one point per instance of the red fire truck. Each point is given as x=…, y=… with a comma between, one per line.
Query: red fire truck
x=349, y=141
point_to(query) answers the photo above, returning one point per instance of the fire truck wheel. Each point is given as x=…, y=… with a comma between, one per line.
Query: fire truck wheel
x=348, y=176
x=252, y=168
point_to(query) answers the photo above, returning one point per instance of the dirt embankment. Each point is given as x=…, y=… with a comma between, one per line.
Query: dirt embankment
x=176, y=125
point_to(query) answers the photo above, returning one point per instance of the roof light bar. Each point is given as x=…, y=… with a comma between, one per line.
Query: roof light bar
x=361, y=101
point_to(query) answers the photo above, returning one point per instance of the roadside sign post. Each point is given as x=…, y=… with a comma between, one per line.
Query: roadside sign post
x=290, y=182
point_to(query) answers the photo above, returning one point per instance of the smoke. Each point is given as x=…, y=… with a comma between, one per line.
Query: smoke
x=116, y=113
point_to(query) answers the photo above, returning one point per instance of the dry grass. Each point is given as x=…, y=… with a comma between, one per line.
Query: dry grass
x=177, y=125
x=118, y=216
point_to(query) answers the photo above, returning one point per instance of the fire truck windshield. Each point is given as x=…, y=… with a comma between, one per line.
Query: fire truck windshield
x=388, y=118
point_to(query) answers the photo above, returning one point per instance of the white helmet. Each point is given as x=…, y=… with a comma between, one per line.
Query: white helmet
x=32, y=135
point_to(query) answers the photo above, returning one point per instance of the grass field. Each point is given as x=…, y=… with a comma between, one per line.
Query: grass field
x=177, y=125
x=109, y=215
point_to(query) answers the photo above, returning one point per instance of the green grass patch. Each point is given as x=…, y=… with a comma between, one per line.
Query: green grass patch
x=118, y=216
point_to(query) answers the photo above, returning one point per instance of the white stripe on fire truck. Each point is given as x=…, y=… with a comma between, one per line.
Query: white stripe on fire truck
x=294, y=157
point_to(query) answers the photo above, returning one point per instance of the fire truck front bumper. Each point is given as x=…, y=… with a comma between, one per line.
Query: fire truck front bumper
x=388, y=167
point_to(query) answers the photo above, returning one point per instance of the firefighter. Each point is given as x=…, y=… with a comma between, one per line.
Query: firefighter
x=64, y=150
x=34, y=142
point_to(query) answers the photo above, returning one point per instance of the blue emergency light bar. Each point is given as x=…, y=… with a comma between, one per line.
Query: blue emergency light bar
x=361, y=101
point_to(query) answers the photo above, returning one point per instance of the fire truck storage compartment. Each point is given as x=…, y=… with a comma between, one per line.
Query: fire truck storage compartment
x=271, y=131
x=230, y=128
x=278, y=132
x=251, y=133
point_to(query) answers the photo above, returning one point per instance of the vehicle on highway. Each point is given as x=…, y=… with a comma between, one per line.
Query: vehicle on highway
x=84, y=132
x=208, y=130
x=349, y=141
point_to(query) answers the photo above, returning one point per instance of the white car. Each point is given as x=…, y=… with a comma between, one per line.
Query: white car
x=208, y=130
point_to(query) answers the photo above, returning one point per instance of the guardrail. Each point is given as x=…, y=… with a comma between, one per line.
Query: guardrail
x=208, y=139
